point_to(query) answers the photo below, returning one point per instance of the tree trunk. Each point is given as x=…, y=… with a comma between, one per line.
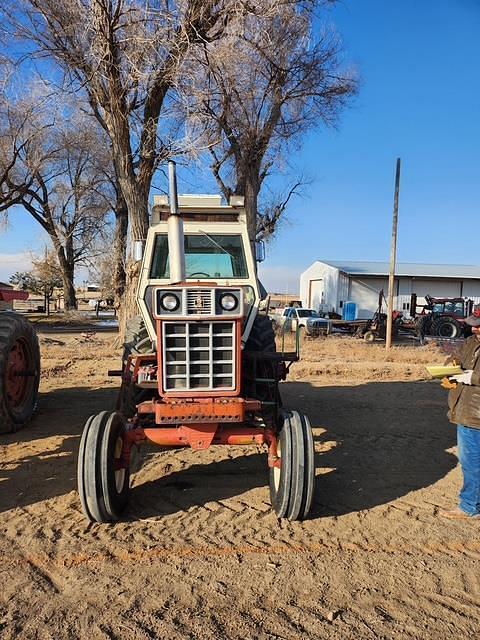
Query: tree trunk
x=136, y=199
x=120, y=251
x=120, y=267
x=68, y=272
x=252, y=189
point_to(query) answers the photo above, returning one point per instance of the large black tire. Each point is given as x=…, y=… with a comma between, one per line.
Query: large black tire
x=262, y=340
x=446, y=327
x=137, y=342
x=262, y=336
x=292, y=484
x=423, y=325
x=19, y=371
x=397, y=325
x=102, y=486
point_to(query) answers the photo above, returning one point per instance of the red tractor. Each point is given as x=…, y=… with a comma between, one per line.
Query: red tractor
x=19, y=366
x=441, y=317
x=200, y=366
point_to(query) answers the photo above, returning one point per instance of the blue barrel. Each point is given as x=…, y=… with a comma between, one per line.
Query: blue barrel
x=349, y=311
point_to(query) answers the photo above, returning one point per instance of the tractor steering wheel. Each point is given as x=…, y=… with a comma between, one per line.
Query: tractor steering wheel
x=198, y=273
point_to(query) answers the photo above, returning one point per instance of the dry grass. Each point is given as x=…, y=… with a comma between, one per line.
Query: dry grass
x=84, y=359
x=354, y=361
x=78, y=359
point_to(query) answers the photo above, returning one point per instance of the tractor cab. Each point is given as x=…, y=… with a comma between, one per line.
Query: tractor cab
x=219, y=274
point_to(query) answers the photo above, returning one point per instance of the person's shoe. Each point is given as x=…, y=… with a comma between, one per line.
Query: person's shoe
x=458, y=514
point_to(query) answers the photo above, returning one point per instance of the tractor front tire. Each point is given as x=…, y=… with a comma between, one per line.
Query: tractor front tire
x=103, y=483
x=292, y=483
x=19, y=371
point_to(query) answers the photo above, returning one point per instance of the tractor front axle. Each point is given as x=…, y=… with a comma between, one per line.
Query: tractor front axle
x=199, y=437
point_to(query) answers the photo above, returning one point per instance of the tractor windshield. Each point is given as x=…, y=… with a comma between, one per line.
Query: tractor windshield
x=207, y=256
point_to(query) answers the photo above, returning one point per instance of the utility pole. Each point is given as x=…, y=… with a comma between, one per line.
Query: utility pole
x=393, y=257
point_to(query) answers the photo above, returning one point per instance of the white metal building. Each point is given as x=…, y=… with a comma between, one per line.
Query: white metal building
x=329, y=284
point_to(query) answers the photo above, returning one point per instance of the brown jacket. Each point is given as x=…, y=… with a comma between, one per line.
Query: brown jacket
x=464, y=400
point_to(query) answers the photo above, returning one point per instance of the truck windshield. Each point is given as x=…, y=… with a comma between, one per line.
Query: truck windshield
x=307, y=313
x=207, y=256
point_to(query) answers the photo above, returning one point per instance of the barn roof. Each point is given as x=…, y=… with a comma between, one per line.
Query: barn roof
x=409, y=269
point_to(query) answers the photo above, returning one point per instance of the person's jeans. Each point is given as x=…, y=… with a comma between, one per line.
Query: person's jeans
x=468, y=440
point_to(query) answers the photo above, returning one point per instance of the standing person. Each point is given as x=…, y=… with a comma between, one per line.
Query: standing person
x=464, y=411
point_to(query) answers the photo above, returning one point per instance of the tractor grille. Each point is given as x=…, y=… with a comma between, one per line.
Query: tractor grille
x=199, y=301
x=199, y=356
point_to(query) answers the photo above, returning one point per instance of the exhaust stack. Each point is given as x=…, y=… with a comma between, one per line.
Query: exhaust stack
x=176, y=247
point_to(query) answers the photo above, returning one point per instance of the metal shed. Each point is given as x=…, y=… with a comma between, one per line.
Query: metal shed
x=328, y=284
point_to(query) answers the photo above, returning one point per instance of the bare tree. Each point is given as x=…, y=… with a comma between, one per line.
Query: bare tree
x=125, y=55
x=44, y=278
x=48, y=167
x=271, y=212
x=111, y=191
x=261, y=89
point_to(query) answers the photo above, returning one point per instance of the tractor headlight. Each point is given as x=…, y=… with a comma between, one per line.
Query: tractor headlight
x=228, y=302
x=170, y=302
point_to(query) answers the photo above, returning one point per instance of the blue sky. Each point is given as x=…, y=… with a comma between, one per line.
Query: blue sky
x=419, y=99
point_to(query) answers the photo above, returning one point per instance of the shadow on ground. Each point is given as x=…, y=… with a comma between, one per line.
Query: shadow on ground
x=380, y=441
x=42, y=457
x=198, y=485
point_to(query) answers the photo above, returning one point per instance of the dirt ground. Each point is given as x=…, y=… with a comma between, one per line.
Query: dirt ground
x=201, y=555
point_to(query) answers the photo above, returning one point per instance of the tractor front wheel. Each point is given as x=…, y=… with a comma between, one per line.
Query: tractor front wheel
x=103, y=479
x=292, y=483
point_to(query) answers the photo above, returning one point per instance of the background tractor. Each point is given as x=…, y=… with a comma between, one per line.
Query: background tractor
x=19, y=365
x=200, y=365
x=441, y=317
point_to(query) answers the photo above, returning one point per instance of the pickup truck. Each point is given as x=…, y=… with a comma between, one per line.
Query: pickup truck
x=291, y=318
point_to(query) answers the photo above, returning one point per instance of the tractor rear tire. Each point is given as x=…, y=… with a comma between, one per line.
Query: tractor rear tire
x=262, y=340
x=262, y=335
x=137, y=342
x=102, y=485
x=19, y=354
x=292, y=484
x=446, y=328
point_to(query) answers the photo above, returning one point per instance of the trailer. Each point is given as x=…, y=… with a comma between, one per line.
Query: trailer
x=369, y=329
